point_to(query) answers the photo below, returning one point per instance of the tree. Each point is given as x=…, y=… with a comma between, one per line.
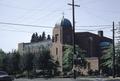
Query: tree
x=46, y=62
x=117, y=58
x=28, y=62
x=106, y=61
x=2, y=56
x=68, y=58
x=7, y=63
x=48, y=37
x=36, y=37
x=16, y=62
x=43, y=36
x=11, y=62
x=33, y=37
x=40, y=38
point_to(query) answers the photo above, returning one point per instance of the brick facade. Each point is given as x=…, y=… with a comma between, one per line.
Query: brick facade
x=91, y=43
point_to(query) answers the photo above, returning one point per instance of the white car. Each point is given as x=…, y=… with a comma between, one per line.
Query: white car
x=5, y=77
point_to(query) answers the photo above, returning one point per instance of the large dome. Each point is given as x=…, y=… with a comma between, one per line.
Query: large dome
x=65, y=23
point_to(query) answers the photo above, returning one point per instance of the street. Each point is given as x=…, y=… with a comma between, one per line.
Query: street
x=68, y=79
x=42, y=79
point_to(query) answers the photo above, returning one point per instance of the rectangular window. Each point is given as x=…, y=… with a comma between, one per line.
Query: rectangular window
x=56, y=51
x=56, y=37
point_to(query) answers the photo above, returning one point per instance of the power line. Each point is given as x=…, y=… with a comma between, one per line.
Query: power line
x=108, y=11
x=94, y=29
x=49, y=14
x=7, y=23
x=25, y=25
x=29, y=10
x=34, y=12
x=89, y=2
x=96, y=26
x=17, y=30
x=22, y=8
x=16, y=7
x=13, y=30
x=94, y=15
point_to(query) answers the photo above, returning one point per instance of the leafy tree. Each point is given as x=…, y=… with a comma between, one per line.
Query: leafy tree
x=117, y=58
x=2, y=56
x=28, y=62
x=7, y=63
x=43, y=36
x=46, y=63
x=33, y=37
x=68, y=58
x=10, y=62
x=48, y=37
x=107, y=57
x=36, y=37
x=106, y=60
x=40, y=38
x=16, y=62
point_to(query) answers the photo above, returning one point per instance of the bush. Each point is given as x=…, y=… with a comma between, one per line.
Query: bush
x=90, y=72
x=96, y=72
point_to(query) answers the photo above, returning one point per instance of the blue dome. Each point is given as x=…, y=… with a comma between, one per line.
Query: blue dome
x=65, y=23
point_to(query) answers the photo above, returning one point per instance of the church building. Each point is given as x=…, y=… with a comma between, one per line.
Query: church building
x=92, y=43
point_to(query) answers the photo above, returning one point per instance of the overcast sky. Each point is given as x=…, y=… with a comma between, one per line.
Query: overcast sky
x=48, y=12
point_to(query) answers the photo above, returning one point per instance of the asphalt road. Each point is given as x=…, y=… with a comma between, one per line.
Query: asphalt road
x=67, y=79
x=42, y=79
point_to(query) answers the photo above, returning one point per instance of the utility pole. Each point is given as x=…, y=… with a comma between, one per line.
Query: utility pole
x=113, y=50
x=73, y=15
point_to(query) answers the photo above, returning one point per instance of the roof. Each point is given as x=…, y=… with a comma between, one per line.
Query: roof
x=89, y=34
x=64, y=22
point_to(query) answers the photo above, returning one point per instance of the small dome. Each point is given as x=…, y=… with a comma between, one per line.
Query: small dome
x=65, y=23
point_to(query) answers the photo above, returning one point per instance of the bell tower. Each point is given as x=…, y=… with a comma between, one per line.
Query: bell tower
x=62, y=34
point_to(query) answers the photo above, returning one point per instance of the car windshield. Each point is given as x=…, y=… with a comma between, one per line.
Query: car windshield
x=3, y=73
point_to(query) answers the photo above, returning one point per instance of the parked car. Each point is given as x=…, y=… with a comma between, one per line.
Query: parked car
x=5, y=77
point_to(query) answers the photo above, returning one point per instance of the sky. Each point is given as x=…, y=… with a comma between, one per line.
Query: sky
x=46, y=13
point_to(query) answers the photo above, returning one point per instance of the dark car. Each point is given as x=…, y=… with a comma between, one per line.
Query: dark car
x=5, y=77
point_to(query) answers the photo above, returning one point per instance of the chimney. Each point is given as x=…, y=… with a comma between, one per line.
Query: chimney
x=100, y=33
